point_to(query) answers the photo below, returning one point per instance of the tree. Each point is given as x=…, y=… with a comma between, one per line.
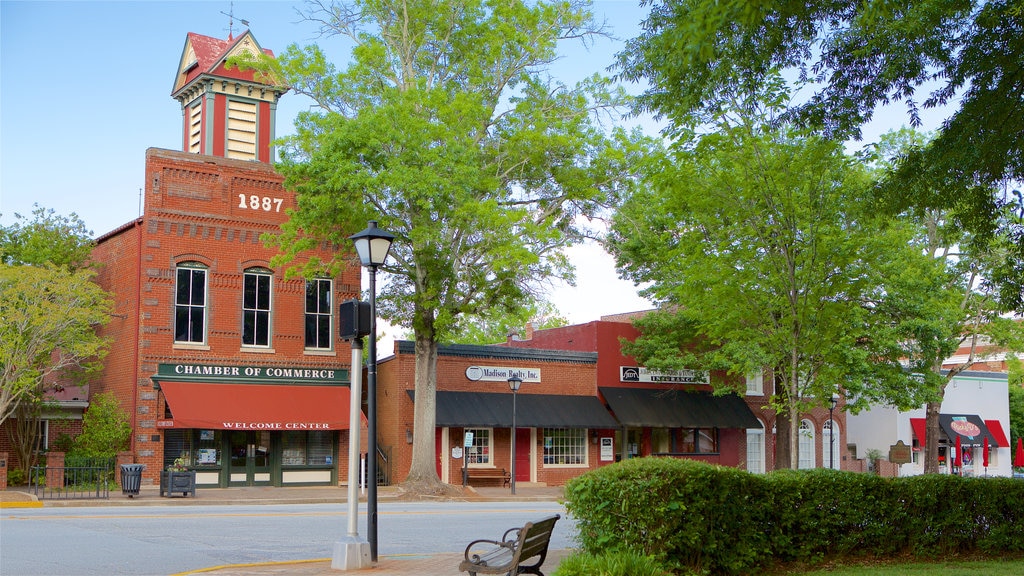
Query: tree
x=496, y=327
x=49, y=308
x=853, y=57
x=762, y=252
x=975, y=306
x=48, y=238
x=1016, y=389
x=445, y=129
x=106, y=428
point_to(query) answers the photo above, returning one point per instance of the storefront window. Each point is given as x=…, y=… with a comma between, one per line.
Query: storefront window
x=307, y=448
x=698, y=440
x=177, y=443
x=480, y=451
x=208, y=448
x=566, y=446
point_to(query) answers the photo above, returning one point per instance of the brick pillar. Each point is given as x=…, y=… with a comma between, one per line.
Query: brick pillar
x=124, y=458
x=3, y=470
x=55, y=470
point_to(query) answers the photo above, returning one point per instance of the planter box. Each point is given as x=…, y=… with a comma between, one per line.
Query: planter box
x=174, y=482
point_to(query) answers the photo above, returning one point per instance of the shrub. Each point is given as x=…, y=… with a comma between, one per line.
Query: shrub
x=16, y=477
x=697, y=518
x=610, y=564
x=106, y=429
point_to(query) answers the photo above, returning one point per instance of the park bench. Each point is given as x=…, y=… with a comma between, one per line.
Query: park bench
x=507, y=556
x=497, y=474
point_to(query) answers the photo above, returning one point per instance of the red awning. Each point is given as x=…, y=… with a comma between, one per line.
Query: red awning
x=917, y=424
x=255, y=406
x=996, y=429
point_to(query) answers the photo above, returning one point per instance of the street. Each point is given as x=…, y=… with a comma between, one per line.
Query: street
x=161, y=540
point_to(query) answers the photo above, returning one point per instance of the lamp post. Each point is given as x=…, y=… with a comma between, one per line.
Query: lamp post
x=832, y=431
x=514, y=382
x=372, y=245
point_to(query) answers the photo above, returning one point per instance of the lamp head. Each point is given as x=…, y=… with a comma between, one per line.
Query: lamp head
x=833, y=401
x=372, y=245
x=514, y=382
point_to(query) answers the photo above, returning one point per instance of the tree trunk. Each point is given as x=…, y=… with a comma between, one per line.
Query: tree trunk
x=782, y=428
x=423, y=468
x=931, y=432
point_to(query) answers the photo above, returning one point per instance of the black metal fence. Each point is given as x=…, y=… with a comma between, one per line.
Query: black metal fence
x=78, y=479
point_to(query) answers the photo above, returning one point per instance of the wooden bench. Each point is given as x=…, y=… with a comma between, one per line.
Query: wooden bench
x=515, y=547
x=498, y=474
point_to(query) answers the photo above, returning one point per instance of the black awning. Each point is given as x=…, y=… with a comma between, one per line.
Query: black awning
x=969, y=427
x=660, y=408
x=461, y=409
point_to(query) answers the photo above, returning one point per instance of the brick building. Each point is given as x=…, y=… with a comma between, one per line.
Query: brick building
x=656, y=423
x=217, y=355
x=582, y=405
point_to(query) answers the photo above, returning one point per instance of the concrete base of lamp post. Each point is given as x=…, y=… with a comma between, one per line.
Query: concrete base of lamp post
x=351, y=553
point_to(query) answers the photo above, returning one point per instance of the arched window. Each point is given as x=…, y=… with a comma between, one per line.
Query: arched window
x=256, y=307
x=190, y=303
x=755, y=450
x=319, y=314
x=806, y=445
x=830, y=445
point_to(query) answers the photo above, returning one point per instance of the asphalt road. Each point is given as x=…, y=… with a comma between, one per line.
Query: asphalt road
x=161, y=540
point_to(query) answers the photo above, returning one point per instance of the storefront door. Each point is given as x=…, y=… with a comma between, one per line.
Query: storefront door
x=250, y=459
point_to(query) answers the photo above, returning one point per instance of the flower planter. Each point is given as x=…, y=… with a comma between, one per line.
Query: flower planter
x=174, y=482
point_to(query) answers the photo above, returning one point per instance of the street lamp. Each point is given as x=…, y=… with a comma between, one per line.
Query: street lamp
x=514, y=382
x=372, y=245
x=832, y=431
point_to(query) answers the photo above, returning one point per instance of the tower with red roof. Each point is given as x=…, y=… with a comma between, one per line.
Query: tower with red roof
x=226, y=111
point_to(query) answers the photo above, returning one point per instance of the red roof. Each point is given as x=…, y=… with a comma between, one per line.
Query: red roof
x=210, y=54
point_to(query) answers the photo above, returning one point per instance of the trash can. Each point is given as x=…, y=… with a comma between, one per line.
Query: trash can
x=131, y=478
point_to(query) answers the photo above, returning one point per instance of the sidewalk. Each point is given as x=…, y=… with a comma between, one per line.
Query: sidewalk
x=445, y=564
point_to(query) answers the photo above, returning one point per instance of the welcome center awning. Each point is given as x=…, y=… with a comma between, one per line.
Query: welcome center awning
x=233, y=406
x=494, y=410
x=660, y=408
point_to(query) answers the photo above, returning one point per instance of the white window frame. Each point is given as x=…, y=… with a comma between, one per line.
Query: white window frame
x=203, y=308
x=755, y=384
x=756, y=457
x=489, y=463
x=268, y=310
x=319, y=314
x=827, y=444
x=805, y=446
x=582, y=447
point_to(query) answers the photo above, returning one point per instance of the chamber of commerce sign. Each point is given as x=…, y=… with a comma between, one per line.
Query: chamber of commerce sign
x=227, y=372
x=502, y=373
x=641, y=374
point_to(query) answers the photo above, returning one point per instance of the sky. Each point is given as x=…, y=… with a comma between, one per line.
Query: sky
x=85, y=90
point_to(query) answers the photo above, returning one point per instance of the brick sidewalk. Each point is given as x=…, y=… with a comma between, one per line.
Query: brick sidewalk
x=398, y=565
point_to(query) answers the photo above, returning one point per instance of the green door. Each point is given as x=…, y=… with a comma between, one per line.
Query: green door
x=250, y=458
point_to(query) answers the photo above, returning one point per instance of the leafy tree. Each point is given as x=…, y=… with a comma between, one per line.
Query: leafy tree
x=1016, y=387
x=446, y=129
x=853, y=56
x=975, y=305
x=49, y=308
x=106, y=428
x=48, y=238
x=762, y=252
x=496, y=327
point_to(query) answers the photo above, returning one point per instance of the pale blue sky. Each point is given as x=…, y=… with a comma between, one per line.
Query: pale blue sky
x=85, y=90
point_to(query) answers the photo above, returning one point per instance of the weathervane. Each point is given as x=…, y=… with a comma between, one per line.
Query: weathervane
x=231, y=21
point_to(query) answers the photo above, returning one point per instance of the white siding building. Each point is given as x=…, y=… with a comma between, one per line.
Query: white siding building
x=975, y=402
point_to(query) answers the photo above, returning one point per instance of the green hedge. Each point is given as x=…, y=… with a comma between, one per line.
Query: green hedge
x=703, y=519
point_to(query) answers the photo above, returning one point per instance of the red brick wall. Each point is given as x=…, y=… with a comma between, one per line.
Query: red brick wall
x=210, y=210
